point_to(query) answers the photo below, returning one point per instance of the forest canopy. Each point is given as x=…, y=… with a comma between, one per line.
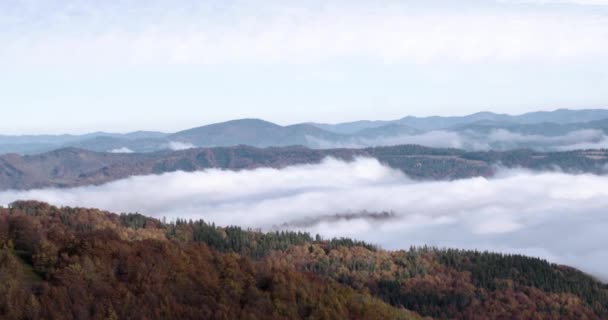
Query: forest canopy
x=76, y=263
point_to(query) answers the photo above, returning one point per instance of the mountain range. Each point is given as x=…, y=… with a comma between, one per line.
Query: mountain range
x=546, y=131
x=76, y=167
x=560, y=116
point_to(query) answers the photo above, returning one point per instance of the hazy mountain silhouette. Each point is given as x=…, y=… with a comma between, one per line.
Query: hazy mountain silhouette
x=260, y=133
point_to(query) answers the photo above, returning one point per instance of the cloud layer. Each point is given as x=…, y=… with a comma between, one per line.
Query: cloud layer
x=576, y=2
x=296, y=32
x=556, y=216
x=498, y=139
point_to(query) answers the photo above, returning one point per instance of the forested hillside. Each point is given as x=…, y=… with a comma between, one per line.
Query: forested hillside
x=75, y=167
x=85, y=264
x=74, y=263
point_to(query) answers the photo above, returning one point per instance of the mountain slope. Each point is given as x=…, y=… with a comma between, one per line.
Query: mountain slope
x=97, y=141
x=252, y=132
x=389, y=130
x=472, y=132
x=68, y=263
x=560, y=116
x=86, y=264
x=350, y=127
x=75, y=167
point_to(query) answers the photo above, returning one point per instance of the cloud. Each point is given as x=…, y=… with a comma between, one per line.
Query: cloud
x=121, y=150
x=295, y=32
x=556, y=216
x=437, y=139
x=575, y=2
x=499, y=139
x=176, y=145
x=580, y=139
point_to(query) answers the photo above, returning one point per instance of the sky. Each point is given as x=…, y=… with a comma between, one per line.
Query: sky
x=82, y=65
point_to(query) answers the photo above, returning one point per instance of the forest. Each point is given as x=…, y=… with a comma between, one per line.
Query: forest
x=78, y=263
x=71, y=167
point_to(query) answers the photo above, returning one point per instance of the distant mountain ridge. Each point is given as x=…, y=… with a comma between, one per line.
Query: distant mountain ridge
x=467, y=132
x=559, y=116
x=253, y=132
x=75, y=167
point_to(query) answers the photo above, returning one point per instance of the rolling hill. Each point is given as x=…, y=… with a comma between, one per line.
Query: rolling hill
x=76, y=167
x=77, y=263
x=253, y=132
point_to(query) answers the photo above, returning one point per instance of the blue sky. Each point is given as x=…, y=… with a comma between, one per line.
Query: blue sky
x=78, y=66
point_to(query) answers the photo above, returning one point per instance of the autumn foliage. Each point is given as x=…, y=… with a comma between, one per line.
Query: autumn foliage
x=75, y=263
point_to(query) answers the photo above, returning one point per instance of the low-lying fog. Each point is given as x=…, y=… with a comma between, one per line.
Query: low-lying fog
x=556, y=216
x=498, y=139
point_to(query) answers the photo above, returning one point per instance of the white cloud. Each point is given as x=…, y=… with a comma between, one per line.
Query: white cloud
x=576, y=2
x=176, y=145
x=121, y=150
x=557, y=216
x=498, y=139
x=579, y=139
x=289, y=32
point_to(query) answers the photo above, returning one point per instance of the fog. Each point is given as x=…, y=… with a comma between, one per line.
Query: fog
x=498, y=139
x=177, y=146
x=436, y=139
x=122, y=150
x=556, y=216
